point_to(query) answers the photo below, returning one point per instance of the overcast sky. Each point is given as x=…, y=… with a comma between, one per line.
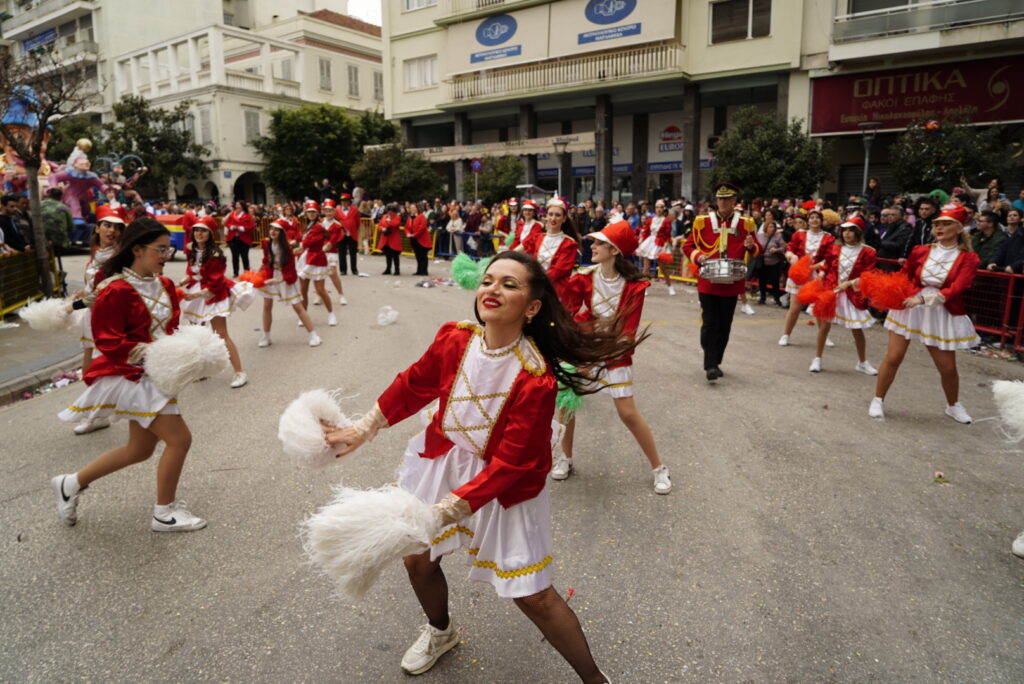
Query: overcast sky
x=367, y=10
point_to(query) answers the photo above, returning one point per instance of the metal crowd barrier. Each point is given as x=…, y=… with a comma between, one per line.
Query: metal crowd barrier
x=19, y=280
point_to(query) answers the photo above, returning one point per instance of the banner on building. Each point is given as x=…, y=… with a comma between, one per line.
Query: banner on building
x=580, y=26
x=498, y=40
x=980, y=91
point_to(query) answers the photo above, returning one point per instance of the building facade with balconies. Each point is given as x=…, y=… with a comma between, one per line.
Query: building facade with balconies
x=641, y=89
x=234, y=60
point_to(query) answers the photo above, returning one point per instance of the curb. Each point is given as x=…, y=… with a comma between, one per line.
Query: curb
x=11, y=391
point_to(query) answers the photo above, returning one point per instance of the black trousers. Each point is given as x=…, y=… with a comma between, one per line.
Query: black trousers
x=715, y=325
x=238, y=249
x=421, y=257
x=351, y=247
x=391, y=256
x=768, y=279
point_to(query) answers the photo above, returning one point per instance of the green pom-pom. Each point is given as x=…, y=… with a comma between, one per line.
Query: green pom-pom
x=567, y=402
x=940, y=196
x=468, y=273
x=509, y=239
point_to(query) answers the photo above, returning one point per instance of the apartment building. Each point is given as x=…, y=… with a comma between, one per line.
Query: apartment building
x=636, y=92
x=235, y=61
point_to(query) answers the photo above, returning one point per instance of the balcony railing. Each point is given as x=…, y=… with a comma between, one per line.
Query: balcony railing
x=457, y=10
x=41, y=9
x=607, y=67
x=920, y=17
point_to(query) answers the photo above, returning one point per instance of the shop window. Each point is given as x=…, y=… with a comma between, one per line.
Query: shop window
x=740, y=19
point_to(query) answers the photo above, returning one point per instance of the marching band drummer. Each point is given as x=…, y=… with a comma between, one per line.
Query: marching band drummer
x=722, y=234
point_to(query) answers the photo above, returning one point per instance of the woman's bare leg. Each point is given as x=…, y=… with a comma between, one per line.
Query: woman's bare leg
x=861, y=344
x=945, y=362
x=792, y=315
x=177, y=439
x=891, y=363
x=268, y=315
x=823, y=329
x=634, y=420
x=304, y=290
x=220, y=326
x=567, y=438
x=141, y=443
x=321, y=289
x=303, y=315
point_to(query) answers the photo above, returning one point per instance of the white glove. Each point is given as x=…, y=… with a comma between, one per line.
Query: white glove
x=451, y=509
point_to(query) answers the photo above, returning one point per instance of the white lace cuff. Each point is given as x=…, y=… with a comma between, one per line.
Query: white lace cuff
x=368, y=425
x=451, y=509
x=933, y=299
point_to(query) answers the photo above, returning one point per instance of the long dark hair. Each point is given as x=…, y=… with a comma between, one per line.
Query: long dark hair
x=282, y=243
x=94, y=240
x=628, y=270
x=560, y=339
x=142, y=231
x=210, y=251
x=569, y=228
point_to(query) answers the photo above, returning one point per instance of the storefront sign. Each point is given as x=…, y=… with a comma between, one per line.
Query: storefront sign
x=580, y=26
x=982, y=91
x=44, y=38
x=497, y=41
x=665, y=142
x=495, y=31
x=665, y=167
x=671, y=139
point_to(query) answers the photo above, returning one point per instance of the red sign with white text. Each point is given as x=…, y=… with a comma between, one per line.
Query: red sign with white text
x=982, y=91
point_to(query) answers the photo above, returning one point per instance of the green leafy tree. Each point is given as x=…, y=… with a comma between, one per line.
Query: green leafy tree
x=68, y=131
x=393, y=174
x=496, y=182
x=768, y=157
x=316, y=141
x=934, y=154
x=160, y=138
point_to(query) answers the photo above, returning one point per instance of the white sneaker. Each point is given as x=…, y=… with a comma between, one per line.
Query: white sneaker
x=958, y=413
x=784, y=341
x=239, y=380
x=1018, y=545
x=562, y=468
x=174, y=517
x=342, y=300
x=314, y=340
x=747, y=309
x=671, y=291
x=298, y=324
x=431, y=644
x=85, y=427
x=317, y=301
x=829, y=342
x=264, y=341
x=815, y=365
x=332, y=320
x=67, y=506
x=662, y=481
x=876, y=410
x=866, y=368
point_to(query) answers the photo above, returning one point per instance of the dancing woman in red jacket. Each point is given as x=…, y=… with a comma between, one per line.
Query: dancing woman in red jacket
x=484, y=463
x=282, y=283
x=557, y=248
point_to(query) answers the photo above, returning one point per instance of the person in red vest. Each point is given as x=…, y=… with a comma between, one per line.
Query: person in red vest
x=349, y=218
x=391, y=238
x=419, y=237
x=239, y=226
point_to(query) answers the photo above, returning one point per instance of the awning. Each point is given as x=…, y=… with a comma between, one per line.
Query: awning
x=575, y=142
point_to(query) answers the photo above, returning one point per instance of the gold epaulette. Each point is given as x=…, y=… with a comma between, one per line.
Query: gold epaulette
x=107, y=281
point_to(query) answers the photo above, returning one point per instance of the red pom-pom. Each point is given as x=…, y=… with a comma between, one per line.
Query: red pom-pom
x=257, y=278
x=800, y=272
x=181, y=293
x=810, y=292
x=825, y=306
x=885, y=291
x=666, y=257
x=694, y=268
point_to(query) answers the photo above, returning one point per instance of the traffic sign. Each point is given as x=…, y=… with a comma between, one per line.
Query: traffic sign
x=476, y=165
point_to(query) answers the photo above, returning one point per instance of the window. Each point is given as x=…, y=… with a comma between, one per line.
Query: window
x=418, y=4
x=378, y=86
x=284, y=69
x=420, y=72
x=740, y=19
x=858, y=6
x=252, y=124
x=353, y=80
x=325, y=74
x=204, y=126
x=189, y=126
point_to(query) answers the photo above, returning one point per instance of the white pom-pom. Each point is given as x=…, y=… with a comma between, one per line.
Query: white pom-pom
x=75, y=318
x=355, y=536
x=301, y=432
x=1009, y=398
x=387, y=315
x=193, y=352
x=46, y=315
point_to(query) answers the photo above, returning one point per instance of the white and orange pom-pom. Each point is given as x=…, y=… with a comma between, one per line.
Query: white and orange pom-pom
x=1009, y=398
x=301, y=428
x=192, y=353
x=353, y=538
x=46, y=315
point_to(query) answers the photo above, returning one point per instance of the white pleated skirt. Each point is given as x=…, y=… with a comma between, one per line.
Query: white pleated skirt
x=934, y=326
x=849, y=316
x=85, y=330
x=791, y=287
x=648, y=249
x=332, y=260
x=115, y=397
x=282, y=291
x=617, y=382
x=199, y=310
x=508, y=548
x=308, y=272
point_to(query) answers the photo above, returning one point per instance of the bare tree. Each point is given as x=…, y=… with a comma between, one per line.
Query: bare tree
x=39, y=89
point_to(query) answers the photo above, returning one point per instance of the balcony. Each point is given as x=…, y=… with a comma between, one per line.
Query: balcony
x=609, y=68
x=451, y=11
x=37, y=13
x=86, y=51
x=922, y=17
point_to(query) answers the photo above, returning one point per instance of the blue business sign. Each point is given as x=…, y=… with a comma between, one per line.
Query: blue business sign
x=491, y=33
x=607, y=12
x=47, y=36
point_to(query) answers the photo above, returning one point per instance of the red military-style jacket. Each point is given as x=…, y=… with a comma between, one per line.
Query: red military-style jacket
x=288, y=271
x=959, y=280
x=241, y=224
x=292, y=230
x=518, y=452
x=866, y=260
x=702, y=240
x=390, y=232
x=313, y=243
x=210, y=277
x=798, y=245
x=349, y=222
x=335, y=234
x=121, y=320
x=562, y=263
x=579, y=298
x=523, y=231
x=418, y=231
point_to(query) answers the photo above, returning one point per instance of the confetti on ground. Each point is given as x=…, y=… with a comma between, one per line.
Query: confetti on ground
x=58, y=381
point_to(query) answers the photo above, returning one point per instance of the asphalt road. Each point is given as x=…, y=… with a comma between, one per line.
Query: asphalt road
x=803, y=542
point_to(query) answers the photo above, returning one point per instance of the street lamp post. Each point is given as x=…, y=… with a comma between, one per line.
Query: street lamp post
x=868, y=129
x=560, y=146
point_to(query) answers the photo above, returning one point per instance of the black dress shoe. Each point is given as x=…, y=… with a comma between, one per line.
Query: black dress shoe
x=386, y=273
x=718, y=371
x=711, y=374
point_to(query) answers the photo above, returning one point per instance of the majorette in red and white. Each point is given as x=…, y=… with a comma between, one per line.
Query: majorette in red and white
x=104, y=214
x=312, y=263
x=279, y=268
x=528, y=225
x=218, y=295
x=555, y=250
